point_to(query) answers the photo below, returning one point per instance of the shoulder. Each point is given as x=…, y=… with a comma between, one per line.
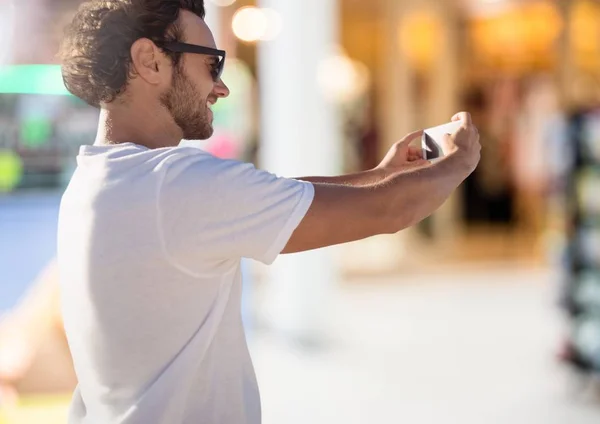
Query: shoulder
x=194, y=161
x=186, y=168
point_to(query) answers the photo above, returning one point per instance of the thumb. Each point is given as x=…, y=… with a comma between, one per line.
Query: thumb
x=462, y=116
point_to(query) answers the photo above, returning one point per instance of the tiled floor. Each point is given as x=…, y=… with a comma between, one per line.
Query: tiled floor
x=461, y=346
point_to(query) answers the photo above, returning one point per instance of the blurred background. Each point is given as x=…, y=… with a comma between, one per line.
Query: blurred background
x=486, y=312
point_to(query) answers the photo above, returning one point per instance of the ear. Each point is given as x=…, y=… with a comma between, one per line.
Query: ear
x=147, y=61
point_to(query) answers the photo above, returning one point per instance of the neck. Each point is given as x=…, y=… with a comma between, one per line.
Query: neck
x=140, y=125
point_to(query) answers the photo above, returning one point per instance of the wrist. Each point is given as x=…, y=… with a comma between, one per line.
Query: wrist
x=379, y=173
x=457, y=163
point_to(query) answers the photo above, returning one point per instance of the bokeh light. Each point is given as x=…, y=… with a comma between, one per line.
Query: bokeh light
x=35, y=132
x=249, y=24
x=11, y=170
x=518, y=38
x=420, y=38
x=342, y=79
x=585, y=34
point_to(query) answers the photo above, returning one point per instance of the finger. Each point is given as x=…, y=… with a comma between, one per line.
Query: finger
x=415, y=152
x=465, y=117
x=419, y=163
x=407, y=139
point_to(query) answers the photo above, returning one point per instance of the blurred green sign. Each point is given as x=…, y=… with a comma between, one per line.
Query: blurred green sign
x=32, y=79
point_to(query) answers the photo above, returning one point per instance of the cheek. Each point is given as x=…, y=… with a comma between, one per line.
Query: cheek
x=199, y=78
x=195, y=92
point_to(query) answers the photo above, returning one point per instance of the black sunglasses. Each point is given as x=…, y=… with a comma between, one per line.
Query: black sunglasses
x=216, y=69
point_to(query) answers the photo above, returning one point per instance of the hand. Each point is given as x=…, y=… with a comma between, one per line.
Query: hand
x=16, y=355
x=465, y=141
x=8, y=394
x=403, y=156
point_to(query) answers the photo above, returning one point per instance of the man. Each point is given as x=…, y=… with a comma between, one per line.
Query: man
x=151, y=235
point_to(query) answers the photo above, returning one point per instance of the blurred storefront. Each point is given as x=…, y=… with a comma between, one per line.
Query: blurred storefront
x=519, y=67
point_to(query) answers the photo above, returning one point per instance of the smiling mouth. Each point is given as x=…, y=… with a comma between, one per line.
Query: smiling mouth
x=209, y=106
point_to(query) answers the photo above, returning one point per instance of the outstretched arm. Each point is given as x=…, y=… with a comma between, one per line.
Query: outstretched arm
x=344, y=213
x=401, y=157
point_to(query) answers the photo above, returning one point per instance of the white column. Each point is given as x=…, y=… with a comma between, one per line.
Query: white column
x=300, y=137
x=8, y=23
x=214, y=21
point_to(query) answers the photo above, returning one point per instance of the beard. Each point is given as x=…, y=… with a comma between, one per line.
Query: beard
x=190, y=113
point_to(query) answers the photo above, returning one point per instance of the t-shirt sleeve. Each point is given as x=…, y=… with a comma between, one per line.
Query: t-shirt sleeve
x=217, y=210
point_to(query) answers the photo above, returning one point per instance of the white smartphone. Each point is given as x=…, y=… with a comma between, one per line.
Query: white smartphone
x=431, y=141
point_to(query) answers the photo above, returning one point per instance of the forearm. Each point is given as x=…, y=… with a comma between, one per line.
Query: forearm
x=393, y=202
x=359, y=179
x=357, y=206
x=409, y=197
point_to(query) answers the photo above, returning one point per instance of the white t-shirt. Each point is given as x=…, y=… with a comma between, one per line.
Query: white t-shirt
x=149, y=249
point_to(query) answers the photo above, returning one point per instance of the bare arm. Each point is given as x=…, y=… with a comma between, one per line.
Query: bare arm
x=343, y=213
x=401, y=158
x=359, y=179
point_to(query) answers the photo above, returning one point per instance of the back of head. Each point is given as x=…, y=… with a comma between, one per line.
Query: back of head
x=95, y=52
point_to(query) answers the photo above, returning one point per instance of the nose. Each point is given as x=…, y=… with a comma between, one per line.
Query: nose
x=221, y=90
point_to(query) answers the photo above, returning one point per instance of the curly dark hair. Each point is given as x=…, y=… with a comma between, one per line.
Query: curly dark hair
x=95, y=51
